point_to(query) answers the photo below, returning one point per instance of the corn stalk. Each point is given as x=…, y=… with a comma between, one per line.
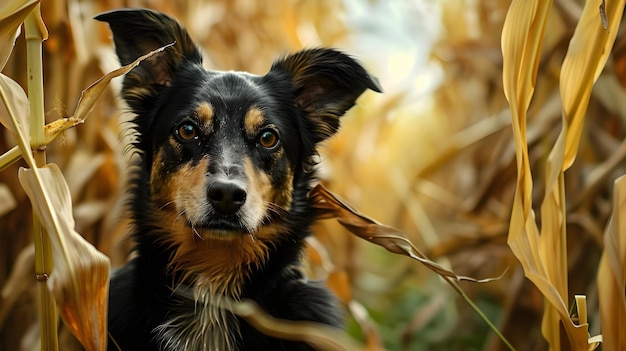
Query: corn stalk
x=79, y=283
x=36, y=32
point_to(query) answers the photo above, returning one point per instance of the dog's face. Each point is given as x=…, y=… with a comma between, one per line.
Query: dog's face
x=224, y=153
x=224, y=150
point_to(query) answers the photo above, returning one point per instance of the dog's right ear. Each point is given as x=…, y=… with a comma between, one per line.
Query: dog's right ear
x=139, y=31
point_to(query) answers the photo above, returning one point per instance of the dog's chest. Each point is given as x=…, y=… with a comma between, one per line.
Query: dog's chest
x=199, y=324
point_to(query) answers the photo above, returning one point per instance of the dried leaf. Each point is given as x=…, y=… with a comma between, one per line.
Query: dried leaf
x=611, y=278
x=320, y=336
x=89, y=97
x=365, y=228
x=14, y=100
x=12, y=14
x=522, y=40
x=80, y=280
x=543, y=255
x=586, y=56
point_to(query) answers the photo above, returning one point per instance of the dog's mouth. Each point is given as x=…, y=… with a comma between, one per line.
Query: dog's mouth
x=223, y=227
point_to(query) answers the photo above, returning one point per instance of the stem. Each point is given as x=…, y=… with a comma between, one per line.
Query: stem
x=458, y=289
x=10, y=157
x=36, y=32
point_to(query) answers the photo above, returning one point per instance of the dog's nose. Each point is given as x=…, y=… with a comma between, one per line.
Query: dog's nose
x=226, y=197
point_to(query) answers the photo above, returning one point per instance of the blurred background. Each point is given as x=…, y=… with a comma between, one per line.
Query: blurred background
x=433, y=156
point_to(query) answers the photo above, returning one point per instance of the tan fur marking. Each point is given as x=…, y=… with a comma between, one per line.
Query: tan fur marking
x=217, y=261
x=253, y=121
x=259, y=182
x=161, y=190
x=205, y=116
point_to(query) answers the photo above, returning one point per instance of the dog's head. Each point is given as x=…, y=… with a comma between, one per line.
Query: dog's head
x=223, y=149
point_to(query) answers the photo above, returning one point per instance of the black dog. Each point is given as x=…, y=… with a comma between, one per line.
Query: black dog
x=220, y=197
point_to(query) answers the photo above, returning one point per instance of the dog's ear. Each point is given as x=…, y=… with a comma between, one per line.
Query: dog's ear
x=327, y=84
x=139, y=31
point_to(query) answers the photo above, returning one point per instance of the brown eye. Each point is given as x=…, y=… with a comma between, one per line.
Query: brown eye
x=268, y=139
x=187, y=131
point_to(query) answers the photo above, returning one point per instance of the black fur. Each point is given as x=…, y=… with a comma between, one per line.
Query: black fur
x=302, y=98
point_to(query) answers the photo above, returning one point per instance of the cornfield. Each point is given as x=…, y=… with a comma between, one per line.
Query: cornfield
x=497, y=151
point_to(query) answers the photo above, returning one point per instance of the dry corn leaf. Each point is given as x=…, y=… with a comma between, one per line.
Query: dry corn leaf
x=383, y=235
x=90, y=96
x=12, y=14
x=320, y=336
x=14, y=101
x=522, y=39
x=544, y=255
x=612, y=274
x=586, y=56
x=80, y=280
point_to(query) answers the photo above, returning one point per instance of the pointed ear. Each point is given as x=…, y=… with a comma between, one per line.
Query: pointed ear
x=327, y=84
x=139, y=31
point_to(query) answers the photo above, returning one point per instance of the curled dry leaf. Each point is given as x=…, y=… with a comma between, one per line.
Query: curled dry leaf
x=383, y=235
x=90, y=96
x=12, y=14
x=320, y=336
x=80, y=281
x=585, y=59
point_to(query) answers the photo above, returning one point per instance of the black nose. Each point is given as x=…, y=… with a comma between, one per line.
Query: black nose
x=226, y=197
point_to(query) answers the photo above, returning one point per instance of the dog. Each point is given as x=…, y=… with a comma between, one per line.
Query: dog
x=219, y=199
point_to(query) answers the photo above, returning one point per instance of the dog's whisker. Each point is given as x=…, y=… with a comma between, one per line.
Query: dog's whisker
x=276, y=209
x=165, y=205
x=180, y=214
x=196, y=233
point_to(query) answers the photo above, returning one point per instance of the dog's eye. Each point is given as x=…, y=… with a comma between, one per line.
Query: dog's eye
x=187, y=131
x=268, y=139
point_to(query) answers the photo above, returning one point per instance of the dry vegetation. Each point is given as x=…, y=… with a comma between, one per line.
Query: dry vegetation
x=434, y=156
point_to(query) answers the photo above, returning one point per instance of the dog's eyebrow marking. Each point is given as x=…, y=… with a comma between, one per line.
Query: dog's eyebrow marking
x=253, y=120
x=204, y=113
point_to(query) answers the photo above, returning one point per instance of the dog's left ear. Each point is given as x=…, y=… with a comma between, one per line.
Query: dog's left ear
x=327, y=84
x=139, y=31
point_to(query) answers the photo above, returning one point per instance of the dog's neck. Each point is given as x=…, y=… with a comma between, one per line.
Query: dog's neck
x=201, y=321
x=209, y=274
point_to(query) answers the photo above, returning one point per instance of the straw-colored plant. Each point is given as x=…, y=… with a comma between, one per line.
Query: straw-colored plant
x=71, y=274
x=543, y=252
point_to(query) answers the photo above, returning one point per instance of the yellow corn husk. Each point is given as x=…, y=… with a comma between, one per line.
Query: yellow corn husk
x=612, y=274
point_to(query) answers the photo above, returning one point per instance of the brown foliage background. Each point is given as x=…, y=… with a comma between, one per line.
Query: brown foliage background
x=432, y=156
